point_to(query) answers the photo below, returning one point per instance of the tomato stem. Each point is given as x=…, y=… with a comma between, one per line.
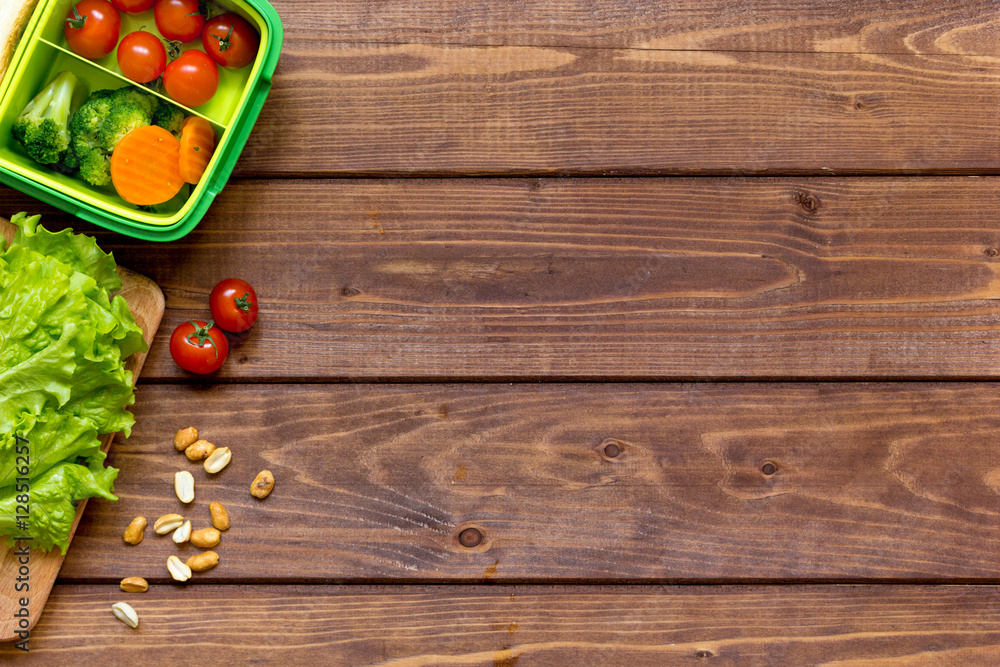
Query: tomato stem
x=173, y=49
x=225, y=42
x=244, y=303
x=77, y=21
x=201, y=334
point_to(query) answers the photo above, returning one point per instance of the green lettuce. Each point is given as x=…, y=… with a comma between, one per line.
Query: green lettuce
x=52, y=506
x=63, y=340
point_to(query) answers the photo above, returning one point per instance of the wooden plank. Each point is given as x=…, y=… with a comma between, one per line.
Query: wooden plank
x=145, y=301
x=592, y=279
x=850, y=26
x=888, y=482
x=426, y=109
x=515, y=625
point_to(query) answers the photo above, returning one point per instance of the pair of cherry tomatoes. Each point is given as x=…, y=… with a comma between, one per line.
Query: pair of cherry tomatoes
x=227, y=39
x=94, y=26
x=201, y=347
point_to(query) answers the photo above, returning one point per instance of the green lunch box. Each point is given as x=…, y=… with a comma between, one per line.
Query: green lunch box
x=42, y=53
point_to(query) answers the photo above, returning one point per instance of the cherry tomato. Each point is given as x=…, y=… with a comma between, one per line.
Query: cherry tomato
x=199, y=347
x=133, y=6
x=179, y=20
x=234, y=305
x=92, y=28
x=192, y=79
x=141, y=56
x=230, y=41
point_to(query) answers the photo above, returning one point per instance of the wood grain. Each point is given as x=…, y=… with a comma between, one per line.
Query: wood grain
x=498, y=626
x=369, y=109
x=887, y=482
x=850, y=26
x=887, y=278
x=145, y=301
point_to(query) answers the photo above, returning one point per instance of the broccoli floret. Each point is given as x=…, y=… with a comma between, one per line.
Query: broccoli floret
x=105, y=118
x=135, y=96
x=170, y=118
x=121, y=120
x=43, y=126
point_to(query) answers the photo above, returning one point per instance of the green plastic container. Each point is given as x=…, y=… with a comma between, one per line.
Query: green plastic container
x=42, y=53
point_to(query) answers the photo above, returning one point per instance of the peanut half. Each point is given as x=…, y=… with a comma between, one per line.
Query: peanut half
x=184, y=486
x=262, y=484
x=220, y=517
x=218, y=460
x=167, y=524
x=134, y=585
x=183, y=533
x=135, y=531
x=178, y=570
x=185, y=438
x=205, y=538
x=199, y=450
x=203, y=561
x=123, y=612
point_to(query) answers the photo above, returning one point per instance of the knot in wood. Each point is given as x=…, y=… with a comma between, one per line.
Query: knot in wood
x=807, y=202
x=769, y=469
x=611, y=449
x=470, y=538
x=702, y=653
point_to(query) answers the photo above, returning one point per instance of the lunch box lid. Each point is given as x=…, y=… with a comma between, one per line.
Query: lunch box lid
x=142, y=225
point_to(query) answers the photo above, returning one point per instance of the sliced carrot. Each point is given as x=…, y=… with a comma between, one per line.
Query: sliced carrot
x=145, y=167
x=197, y=146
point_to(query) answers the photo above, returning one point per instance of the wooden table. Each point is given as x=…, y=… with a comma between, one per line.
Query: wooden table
x=594, y=332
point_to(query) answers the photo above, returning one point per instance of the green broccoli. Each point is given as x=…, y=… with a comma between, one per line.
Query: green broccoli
x=170, y=118
x=42, y=128
x=104, y=119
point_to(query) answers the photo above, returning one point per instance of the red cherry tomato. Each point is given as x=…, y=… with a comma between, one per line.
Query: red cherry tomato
x=230, y=41
x=141, y=56
x=92, y=28
x=133, y=6
x=199, y=347
x=179, y=20
x=192, y=79
x=234, y=305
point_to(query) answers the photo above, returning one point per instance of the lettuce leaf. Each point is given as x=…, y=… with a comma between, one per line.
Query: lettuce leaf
x=77, y=250
x=63, y=341
x=52, y=506
x=52, y=438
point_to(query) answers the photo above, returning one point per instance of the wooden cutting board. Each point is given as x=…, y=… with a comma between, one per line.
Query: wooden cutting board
x=145, y=300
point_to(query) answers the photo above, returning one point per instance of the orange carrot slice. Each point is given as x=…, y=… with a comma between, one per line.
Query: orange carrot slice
x=145, y=166
x=197, y=146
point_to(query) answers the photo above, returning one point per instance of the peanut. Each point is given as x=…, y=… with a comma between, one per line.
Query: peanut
x=123, y=612
x=134, y=585
x=167, y=523
x=135, y=531
x=218, y=460
x=184, y=486
x=185, y=438
x=206, y=538
x=178, y=569
x=183, y=533
x=262, y=484
x=199, y=450
x=203, y=561
x=220, y=517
